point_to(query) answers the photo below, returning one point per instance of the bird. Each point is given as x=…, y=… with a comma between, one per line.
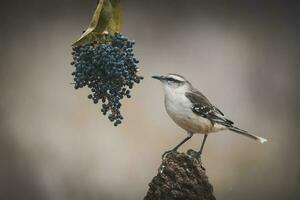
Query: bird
x=193, y=112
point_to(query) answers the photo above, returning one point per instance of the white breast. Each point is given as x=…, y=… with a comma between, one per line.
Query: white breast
x=178, y=107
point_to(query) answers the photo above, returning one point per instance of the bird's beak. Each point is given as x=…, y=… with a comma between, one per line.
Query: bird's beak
x=157, y=77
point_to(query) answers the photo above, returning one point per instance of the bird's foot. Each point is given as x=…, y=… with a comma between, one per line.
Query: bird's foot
x=168, y=152
x=196, y=155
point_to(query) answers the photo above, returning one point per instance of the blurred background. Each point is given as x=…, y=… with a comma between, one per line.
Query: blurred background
x=56, y=145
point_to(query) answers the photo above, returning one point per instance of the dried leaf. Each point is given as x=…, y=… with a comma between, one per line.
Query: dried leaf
x=115, y=23
x=106, y=18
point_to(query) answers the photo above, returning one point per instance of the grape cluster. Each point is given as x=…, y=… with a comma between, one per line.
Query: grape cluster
x=109, y=69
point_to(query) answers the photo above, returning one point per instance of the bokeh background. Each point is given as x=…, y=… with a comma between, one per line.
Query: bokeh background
x=56, y=145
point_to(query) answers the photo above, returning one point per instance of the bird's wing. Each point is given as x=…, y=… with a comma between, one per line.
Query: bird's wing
x=202, y=107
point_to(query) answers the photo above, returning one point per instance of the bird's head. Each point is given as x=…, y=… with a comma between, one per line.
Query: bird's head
x=173, y=83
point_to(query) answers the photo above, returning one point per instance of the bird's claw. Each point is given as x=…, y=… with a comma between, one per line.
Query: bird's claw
x=194, y=154
x=167, y=152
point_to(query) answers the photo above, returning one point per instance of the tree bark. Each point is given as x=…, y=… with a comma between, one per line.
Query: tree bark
x=180, y=177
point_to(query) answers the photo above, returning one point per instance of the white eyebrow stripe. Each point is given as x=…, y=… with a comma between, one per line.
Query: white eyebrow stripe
x=176, y=77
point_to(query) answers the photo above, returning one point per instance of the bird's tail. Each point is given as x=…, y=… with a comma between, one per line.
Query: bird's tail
x=240, y=131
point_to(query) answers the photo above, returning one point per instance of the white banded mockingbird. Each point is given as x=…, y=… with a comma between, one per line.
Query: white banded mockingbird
x=193, y=112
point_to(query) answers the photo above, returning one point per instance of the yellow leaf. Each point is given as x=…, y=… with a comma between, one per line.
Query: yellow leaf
x=115, y=22
x=106, y=18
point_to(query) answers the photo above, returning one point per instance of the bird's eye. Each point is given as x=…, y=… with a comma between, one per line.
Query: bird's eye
x=170, y=80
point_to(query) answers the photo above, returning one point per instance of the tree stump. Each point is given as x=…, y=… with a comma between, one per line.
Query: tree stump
x=180, y=177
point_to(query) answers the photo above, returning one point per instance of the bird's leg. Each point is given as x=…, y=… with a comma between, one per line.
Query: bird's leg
x=198, y=154
x=178, y=145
